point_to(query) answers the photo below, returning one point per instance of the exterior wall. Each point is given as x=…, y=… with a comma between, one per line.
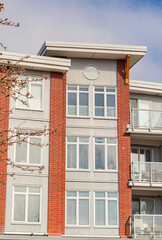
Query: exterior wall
x=125, y=194
x=4, y=104
x=34, y=120
x=91, y=180
x=56, y=191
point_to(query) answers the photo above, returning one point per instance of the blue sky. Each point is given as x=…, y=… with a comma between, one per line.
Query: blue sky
x=130, y=22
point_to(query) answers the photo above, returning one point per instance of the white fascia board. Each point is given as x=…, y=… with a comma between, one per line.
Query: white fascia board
x=143, y=87
x=94, y=51
x=36, y=62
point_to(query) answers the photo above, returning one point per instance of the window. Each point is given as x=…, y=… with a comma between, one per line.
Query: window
x=141, y=154
x=26, y=203
x=77, y=208
x=29, y=151
x=78, y=100
x=106, y=205
x=105, y=154
x=105, y=102
x=77, y=153
x=143, y=206
x=35, y=88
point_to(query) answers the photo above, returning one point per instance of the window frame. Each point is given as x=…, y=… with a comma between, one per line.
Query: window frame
x=77, y=97
x=31, y=80
x=27, y=150
x=106, y=209
x=142, y=148
x=105, y=144
x=77, y=208
x=77, y=143
x=105, y=101
x=26, y=194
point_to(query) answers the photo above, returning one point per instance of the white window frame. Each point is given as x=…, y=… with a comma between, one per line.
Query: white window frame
x=77, y=143
x=143, y=148
x=105, y=101
x=77, y=198
x=106, y=144
x=106, y=209
x=26, y=194
x=28, y=146
x=31, y=81
x=77, y=97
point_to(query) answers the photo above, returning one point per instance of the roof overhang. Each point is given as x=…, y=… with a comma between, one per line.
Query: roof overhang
x=93, y=51
x=141, y=87
x=36, y=62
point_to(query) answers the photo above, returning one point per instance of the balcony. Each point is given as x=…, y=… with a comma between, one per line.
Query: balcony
x=145, y=225
x=146, y=174
x=144, y=120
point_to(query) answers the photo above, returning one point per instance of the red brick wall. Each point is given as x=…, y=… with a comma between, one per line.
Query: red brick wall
x=124, y=152
x=4, y=104
x=56, y=195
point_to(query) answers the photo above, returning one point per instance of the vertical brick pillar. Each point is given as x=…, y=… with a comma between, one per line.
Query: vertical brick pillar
x=56, y=194
x=124, y=142
x=4, y=124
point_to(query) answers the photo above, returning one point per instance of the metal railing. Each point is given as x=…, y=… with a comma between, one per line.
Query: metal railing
x=140, y=224
x=146, y=171
x=146, y=119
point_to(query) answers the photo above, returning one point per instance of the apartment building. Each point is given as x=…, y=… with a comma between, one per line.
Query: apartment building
x=102, y=175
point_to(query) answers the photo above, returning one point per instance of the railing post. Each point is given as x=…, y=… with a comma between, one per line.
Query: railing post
x=134, y=227
x=153, y=227
x=151, y=171
x=150, y=125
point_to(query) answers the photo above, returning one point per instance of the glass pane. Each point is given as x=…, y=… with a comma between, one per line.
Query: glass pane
x=71, y=211
x=142, y=155
x=147, y=206
x=71, y=193
x=112, y=194
x=83, y=104
x=111, y=105
x=19, y=189
x=110, y=89
x=19, y=208
x=22, y=98
x=83, y=194
x=134, y=155
x=71, y=139
x=100, y=194
x=99, y=100
x=33, y=208
x=35, y=151
x=34, y=189
x=21, y=152
x=99, y=89
x=135, y=206
x=99, y=140
x=84, y=139
x=111, y=140
x=72, y=88
x=83, y=89
x=112, y=212
x=71, y=156
x=99, y=212
x=83, y=211
x=72, y=104
x=111, y=157
x=36, y=92
x=99, y=157
x=83, y=156
x=148, y=155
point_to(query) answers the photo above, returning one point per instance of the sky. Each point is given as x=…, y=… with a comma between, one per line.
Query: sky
x=127, y=22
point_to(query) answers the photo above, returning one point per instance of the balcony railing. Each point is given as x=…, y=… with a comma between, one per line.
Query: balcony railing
x=146, y=119
x=146, y=172
x=145, y=225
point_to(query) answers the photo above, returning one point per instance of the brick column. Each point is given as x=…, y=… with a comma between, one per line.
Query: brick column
x=124, y=142
x=56, y=194
x=4, y=124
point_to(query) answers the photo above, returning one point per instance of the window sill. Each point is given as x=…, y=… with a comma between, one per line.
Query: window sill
x=29, y=109
x=77, y=170
x=72, y=116
x=105, y=118
x=25, y=223
x=105, y=171
x=114, y=227
x=77, y=226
